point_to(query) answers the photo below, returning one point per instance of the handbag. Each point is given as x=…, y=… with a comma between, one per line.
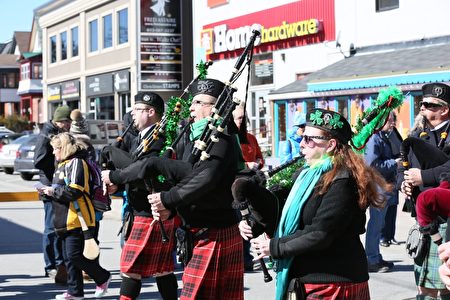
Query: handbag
x=417, y=244
x=296, y=290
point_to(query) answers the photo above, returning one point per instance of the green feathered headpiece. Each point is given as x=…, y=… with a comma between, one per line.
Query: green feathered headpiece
x=374, y=118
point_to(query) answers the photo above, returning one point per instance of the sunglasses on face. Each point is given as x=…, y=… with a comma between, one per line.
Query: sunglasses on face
x=429, y=104
x=309, y=139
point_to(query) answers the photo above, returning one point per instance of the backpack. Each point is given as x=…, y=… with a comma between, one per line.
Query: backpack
x=100, y=201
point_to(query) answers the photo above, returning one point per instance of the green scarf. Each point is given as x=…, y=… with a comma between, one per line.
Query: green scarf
x=197, y=129
x=290, y=217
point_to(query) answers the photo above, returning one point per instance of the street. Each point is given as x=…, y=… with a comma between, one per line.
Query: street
x=21, y=260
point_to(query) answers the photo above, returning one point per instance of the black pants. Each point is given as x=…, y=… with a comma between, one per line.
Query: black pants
x=73, y=244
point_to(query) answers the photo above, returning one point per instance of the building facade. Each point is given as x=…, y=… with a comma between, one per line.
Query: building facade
x=97, y=54
x=333, y=54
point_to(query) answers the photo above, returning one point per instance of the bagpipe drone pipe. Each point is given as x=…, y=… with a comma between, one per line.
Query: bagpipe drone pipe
x=431, y=204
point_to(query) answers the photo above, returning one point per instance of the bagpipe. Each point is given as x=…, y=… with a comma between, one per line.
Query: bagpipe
x=432, y=203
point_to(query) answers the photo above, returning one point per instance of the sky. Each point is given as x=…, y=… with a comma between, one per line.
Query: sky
x=16, y=15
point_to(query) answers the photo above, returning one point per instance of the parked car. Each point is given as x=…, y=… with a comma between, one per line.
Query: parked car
x=24, y=162
x=8, y=137
x=101, y=132
x=9, y=151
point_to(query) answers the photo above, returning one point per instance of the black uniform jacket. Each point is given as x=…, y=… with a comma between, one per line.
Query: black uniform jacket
x=327, y=247
x=203, y=197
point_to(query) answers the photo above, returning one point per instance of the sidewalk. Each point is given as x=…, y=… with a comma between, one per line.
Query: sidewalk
x=21, y=259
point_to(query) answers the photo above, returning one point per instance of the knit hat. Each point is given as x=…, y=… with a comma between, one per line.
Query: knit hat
x=332, y=122
x=151, y=99
x=79, y=124
x=62, y=113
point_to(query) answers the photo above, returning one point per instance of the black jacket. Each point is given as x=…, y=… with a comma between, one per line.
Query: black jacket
x=327, y=247
x=203, y=198
x=136, y=189
x=44, y=160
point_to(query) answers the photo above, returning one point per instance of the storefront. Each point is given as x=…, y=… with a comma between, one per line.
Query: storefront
x=122, y=88
x=70, y=93
x=100, y=97
x=293, y=34
x=350, y=86
x=53, y=98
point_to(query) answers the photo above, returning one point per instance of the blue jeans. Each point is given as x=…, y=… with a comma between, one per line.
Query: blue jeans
x=73, y=244
x=373, y=234
x=51, y=243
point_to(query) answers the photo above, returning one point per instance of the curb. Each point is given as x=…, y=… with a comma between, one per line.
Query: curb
x=18, y=196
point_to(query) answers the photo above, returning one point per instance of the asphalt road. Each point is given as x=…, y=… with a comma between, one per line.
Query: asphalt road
x=21, y=260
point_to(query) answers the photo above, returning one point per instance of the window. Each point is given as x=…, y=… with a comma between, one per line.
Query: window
x=122, y=16
x=63, y=38
x=53, y=49
x=93, y=36
x=37, y=71
x=74, y=34
x=383, y=5
x=107, y=31
x=25, y=71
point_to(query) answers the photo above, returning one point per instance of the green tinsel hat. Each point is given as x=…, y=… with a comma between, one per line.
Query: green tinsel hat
x=373, y=119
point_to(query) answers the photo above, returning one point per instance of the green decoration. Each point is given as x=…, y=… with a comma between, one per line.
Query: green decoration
x=373, y=119
x=316, y=118
x=284, y=177
x=335, y=122
x=202, y=70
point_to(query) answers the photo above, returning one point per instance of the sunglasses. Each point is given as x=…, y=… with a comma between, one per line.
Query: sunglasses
x=429, y=104
x=309, y=139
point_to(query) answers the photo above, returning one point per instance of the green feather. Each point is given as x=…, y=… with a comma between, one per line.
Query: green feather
x=388, y=99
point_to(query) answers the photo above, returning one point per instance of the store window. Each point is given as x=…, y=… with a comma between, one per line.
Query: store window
x=63, y=38
x=25, y=71
x=383, y=5
x=53, y=49
x=101, y=108
x=74, y=34
x=37, y=71
x=107, y=31
x=93, y=36
x=122, y=16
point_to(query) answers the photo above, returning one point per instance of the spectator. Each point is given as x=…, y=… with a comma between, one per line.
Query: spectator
x=379, y=156
x=292, y=147
x=44, y=160
x=69, y=201
x=253, y=160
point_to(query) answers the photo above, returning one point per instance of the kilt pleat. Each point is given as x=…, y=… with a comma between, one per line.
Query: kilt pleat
x=144, y=252
x=216, y=269
x=337, y=291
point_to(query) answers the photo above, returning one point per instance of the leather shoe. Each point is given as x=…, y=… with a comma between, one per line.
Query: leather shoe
x=380, y=267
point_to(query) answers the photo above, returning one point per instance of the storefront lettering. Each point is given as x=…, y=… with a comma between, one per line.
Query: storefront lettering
x=237, y=38
x=95, y=86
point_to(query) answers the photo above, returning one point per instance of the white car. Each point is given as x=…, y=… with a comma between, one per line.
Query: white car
x=8, y=153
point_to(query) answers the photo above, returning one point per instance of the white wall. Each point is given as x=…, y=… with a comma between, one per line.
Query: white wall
x=413, y=20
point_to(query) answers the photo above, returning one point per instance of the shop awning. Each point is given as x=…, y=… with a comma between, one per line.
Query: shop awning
x=397, y=67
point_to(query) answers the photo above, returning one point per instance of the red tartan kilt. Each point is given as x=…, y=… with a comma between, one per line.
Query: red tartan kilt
x=216, y=269
x=335, y=291
x=144, y=252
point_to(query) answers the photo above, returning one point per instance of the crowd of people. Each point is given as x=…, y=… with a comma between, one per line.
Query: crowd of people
x=192, y=210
